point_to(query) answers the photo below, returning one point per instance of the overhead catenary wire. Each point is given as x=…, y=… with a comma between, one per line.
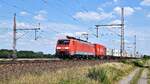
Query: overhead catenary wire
x=113, y=32
x=19, y=8
x=74, y=19
x=62, y=3
x=22, y=35
x=46, y=2
x=15, y=6
x=83, y=7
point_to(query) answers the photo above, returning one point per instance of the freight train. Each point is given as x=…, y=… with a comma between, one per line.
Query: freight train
x=77, y=48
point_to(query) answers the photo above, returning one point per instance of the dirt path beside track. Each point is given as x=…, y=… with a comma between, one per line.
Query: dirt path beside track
x=128, y=78
x=143, y=79
x=144, y=76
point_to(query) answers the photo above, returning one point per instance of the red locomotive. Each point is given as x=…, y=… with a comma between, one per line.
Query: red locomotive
x=77, y=48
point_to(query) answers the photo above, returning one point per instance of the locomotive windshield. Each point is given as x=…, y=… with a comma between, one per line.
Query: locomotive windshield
x=64, y=42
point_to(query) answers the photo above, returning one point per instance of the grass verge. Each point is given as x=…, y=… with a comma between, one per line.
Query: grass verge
x=135, y=62
x=136, y=76
x=148, y=82
x=107, y=73
x=148, y=76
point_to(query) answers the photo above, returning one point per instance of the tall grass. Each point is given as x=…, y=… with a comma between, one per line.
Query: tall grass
x=135, y=62
x=107, y=73
x=74, y=75
x=139, y=63
x=99, y=74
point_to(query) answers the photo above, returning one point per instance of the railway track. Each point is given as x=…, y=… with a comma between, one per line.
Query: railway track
x=17, y=68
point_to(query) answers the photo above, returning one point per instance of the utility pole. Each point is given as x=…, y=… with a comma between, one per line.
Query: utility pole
x=134, y=45
x=15, y=36
x=97, y=31
x=122, y=46
x=121, y=26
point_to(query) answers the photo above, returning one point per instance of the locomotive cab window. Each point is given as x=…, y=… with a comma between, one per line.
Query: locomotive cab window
x=63, y=42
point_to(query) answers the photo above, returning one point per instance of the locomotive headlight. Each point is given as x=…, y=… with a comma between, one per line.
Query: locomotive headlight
x=66, y=47
x=58, y=47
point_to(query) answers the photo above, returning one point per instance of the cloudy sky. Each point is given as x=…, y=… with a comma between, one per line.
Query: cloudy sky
x=74, y=17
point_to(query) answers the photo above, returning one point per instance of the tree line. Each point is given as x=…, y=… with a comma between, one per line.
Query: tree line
x=146, y=56
x=5, y=53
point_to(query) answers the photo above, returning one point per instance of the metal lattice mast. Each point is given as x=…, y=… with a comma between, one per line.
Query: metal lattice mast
x=14, y=38
x=121, y=26
x=122, y=46
x=135, y=45
x=14, y=56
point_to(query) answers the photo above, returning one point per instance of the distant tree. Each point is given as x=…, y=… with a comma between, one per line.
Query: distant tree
x=146, y=57
x=26, y=54
x=4, y=53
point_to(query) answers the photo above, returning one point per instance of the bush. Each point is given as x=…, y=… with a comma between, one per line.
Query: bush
x=99, y=74
x=109, y=74
x=125, y=61
x=139, y=63
x=146, y=57
x=4, y=53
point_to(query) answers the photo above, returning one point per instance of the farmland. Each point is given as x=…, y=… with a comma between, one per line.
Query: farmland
x=77, y=72
x=72, y=71
x=81, y=75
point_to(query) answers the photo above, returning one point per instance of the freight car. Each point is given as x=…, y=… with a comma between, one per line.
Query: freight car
x=77, y=48
x=100, y=51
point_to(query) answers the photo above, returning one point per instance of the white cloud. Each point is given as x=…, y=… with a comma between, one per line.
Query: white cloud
x=67, y=34
x=116, y=22
x=92, y=16
x=42, y=14
x=25, y=25
x=9, y=24
x=80, y=33
x=137, y=8
x=127, y=10
x=141, y=34
x=115, y=0
x=148, y=15
x=107, y=3
x=39, y=17
x=24, y=13
x=60, y=27
x=145, y=3
x=6, y=24
x=100, y=9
